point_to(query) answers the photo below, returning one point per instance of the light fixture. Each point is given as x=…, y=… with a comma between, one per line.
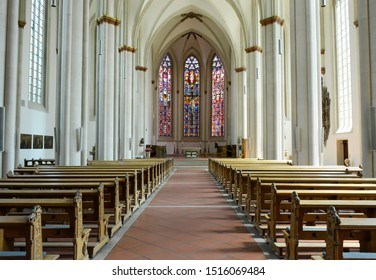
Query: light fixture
x=323, y=3
x=53, y=3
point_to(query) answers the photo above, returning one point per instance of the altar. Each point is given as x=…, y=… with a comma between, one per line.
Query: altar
x=191, y=152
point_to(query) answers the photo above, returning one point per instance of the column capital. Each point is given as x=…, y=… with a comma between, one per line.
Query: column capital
x=253, y=49
x=240, y=69
x=126, y=48
x=108, y=19
x=141, y=68
x=271, y=20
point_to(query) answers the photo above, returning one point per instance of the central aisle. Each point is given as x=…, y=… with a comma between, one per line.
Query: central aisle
x=188, y=219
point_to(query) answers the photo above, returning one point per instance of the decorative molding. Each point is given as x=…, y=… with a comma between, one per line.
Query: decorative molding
x=356, y=23
x=109, y=20
x=21, y=23
x=191, y=15
x=253, y=49
x=141, y=68
x=127, y=49
x=322, y=51
x=240, y=69
x=323, y=70
x=271, y=20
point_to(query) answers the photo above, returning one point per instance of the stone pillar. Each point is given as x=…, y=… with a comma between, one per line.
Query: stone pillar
x=367, y=54
x=21, y=25
x=85, y=81
x=106, y=25
x=139, y=111
x=10, y=86
x=305, y=85
x=125, y=100
x=255, y=109
x=272, y=30
x=73, y=79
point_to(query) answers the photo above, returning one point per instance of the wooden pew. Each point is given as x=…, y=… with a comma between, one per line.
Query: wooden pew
x=94, y=219
x=80, y=171
x=280, y=215
x=340, y=229
x=259, y=190
x=129, y=191
x=76, y=235
x=28, y=228
x=241, y=191
x=299, y=210
x=117, y=213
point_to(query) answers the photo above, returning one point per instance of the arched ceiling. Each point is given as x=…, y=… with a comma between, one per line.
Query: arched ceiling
x=157, y=24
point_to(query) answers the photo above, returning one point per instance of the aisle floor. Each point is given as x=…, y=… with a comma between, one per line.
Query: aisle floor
x=188, y=218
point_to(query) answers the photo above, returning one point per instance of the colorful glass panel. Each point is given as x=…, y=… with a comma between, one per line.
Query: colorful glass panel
x=165, y=86
x=191, y=97
x=218, y=104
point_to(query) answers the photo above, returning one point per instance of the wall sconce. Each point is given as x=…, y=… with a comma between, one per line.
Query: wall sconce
x=323, y=3
x=53, y=3
x=279, y=47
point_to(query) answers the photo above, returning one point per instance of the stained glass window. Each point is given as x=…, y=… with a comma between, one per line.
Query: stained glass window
x=165, y=86
x=218, y=104
x=37, y=60
x=191, y=97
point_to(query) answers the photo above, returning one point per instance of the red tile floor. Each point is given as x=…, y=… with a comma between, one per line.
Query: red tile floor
x=188, y=219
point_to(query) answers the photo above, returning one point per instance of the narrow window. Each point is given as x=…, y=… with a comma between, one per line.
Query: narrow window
x=343, y=67
x=191, y=97
x=37, y=61
x=218, y=104
x=165, y=89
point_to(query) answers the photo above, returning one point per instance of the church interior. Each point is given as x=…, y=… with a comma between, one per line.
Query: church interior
x=196, y=129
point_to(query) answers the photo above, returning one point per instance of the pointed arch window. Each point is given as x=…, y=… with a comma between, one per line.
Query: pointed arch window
x=165, y=97
x=191, y=97
x=343, y=66
x=37, y=61
x=218, y=91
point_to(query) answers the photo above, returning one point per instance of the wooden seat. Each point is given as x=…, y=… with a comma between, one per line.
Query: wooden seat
x=27, y=227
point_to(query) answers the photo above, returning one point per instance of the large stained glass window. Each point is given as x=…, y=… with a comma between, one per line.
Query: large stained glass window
x=191, y=97
x=218, y=104
x=165, y=89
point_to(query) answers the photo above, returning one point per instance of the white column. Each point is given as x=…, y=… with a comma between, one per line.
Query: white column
x=85, y=80
x=305, y=85
x=106, y=83
x=255, y=109
x=128, y=113
x=272, y=84
x=3, y=41
x=73, y=86
x=10, y=88
x=367, y=66
x=139, y=111
x=21, y=25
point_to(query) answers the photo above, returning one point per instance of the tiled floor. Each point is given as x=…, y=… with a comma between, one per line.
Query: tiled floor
x=188, y=219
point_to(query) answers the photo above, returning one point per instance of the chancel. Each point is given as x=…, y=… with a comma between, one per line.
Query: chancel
x=172, y=124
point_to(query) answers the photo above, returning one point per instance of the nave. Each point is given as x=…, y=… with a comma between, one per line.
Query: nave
x=189, y=217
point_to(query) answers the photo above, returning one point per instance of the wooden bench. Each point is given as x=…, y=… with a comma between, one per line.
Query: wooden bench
x=116, y=211
x=280, y=208
x=74, y=235
x=28, y=228
x=92, y=209
x=299, y=209
x=340, y=229
x=259, y=190
x=130, y=191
